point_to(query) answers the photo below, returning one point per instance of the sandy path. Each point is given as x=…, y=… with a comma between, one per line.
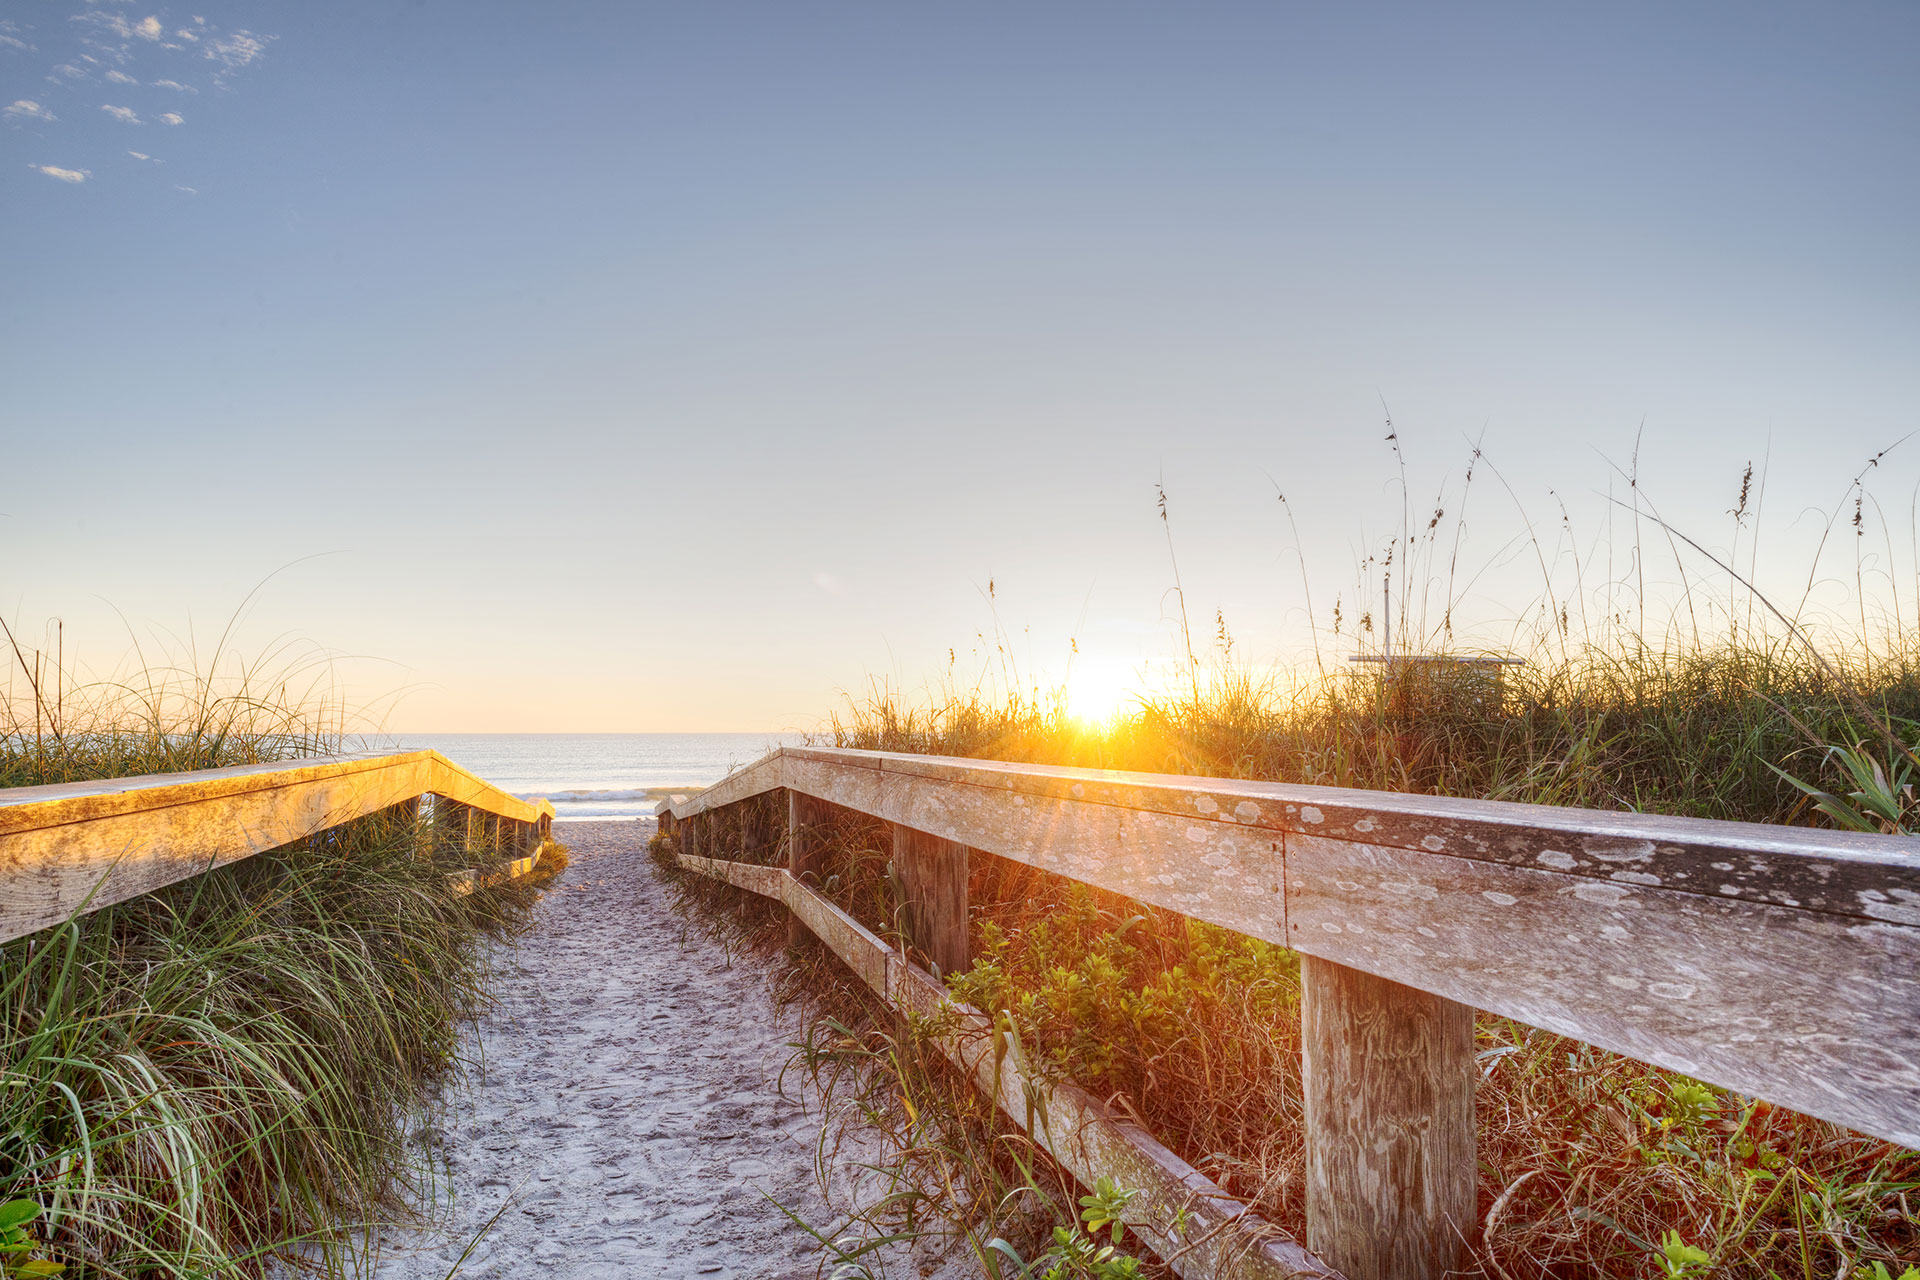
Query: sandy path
x=625, y=1101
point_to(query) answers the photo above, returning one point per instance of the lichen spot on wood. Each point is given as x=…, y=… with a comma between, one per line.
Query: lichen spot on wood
x=1311, y=814
x=1903, y=908
x=1621, y=850
x=1197, y=834
x=1205, y=804
x=1557, y=860
x=1499, y=899
x=1247, y=811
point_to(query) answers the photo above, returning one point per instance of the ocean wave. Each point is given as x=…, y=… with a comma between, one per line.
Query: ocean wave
x=590, y=797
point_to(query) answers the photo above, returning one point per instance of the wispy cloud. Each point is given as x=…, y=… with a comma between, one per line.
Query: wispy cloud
x=192, y=191
x=174, y=85
x=125, y=115
x=121, y=77
x=141, y=155
x=22, y=109
x=10, y=36
x=172, y=117
x=65, y=175
x=237, y=48
x=106, y=24
x=68, y=70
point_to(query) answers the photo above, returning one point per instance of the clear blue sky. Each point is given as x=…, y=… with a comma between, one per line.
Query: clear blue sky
x=649, y=366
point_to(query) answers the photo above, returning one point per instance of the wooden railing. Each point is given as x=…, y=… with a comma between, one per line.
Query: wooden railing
x=1783, y=963
x=77, y=847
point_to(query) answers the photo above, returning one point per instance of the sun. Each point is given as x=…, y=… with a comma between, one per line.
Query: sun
x=1099, y=692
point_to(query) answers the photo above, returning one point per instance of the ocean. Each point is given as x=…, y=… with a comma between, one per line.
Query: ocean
x=598, y=776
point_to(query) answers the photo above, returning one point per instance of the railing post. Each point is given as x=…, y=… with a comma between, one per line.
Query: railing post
x=753, y=827
x=932, y=875
x=452, y=823
x=1389, y=1079
x=805, y=849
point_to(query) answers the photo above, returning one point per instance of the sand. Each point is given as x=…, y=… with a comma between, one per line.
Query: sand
x=622, y=1099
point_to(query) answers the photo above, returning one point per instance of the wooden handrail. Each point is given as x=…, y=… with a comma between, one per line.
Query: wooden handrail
x=1780, y=962
x=77, y=847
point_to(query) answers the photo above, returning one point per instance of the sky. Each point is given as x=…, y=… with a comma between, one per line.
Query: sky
x=632, y=367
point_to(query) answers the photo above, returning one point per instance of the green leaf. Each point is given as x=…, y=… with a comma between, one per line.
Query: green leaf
x=15, y=1213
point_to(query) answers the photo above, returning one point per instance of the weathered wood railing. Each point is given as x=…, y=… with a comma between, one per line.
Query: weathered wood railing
x=80, y=846
x=1783, y=963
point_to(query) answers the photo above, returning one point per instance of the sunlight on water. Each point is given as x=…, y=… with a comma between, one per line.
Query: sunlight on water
x=597, y=775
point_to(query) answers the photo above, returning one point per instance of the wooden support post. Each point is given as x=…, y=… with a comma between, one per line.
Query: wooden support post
x=451, y=822
x=805, y=847
x=751, y=828
x=932, y=874
x=1389, y=1080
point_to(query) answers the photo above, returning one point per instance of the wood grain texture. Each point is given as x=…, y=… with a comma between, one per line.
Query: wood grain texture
x=805, y=845
x=932, y=876
x=1388, y=1077
x=1183, y=1215
x=81, y=846
x=1810, y=1011
x=1780, y=962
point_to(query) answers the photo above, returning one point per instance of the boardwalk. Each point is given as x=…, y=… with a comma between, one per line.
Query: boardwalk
x=626, y=1101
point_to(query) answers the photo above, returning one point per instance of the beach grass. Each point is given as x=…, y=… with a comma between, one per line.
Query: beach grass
x=229, y=1075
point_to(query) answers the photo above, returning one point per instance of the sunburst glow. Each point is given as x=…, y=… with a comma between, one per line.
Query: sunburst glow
x=1100, y=691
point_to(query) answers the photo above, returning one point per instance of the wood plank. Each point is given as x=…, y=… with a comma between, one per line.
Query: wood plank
x=78, y=847
x=857, y=946
x=1212, y=871
x=1388, y=1076
x=1183, y=1215
x=767, y=881
x=1846, y=873
x=931, y=875
x=51, y=871
x=1814, y=1012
